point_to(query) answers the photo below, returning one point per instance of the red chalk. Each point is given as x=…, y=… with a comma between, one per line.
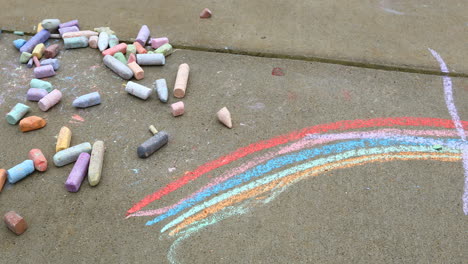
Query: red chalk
x=122, y=47
x=15, y=223
x=40, y=162
x=131, y=58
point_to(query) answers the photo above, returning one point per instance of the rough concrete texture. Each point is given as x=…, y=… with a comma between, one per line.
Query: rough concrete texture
x=395, y=212
x=385, y=32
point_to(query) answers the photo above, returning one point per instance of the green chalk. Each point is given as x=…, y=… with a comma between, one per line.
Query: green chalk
x=19, y=33
x=36, y=83
x=437, y=147
x=130, y=49
x=120, y=57
x=165, y=49
x=25, y=56
x=150, y=52
x=17, y=113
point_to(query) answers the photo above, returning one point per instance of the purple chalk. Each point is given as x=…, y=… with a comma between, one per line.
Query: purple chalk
x=40, y=37
x=78, y=173
x=36, y=94
x=70, y=24
x=44, y=71
x=68, y=29
x=143, y=35
x=30, y=63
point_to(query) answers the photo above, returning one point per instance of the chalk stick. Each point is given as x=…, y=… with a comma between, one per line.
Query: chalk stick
x=139, y=48
x=18, y=43
x=224, y=116
x=32, y=123
x=19, y=33
x=68, y=29
x=87, y=100
x=158, y=42
x=70, y=155
x=78, y=173
x=178, y=109
x=36, y=83
x=118, y=67
x=30, y=63
x=120, y=57
x=63, y=139
x=161, y=89
x=122, y=47
x=70, y=24
x=54, y=62
x=40, y=37
x=138, y=72
x=76, y=42
x=84, y=33
x=38, y=51
x=20, y=171
x=113, y=41
x=143, y=35
x=55, y=36
x=40, y=161
x=25, y=57
x=205, y=13
x=181, y=80
x=50, y=24
x=150, y=59
x=152, y=144
x=103, y=42
x=150, y=52
x=93, y=42
x=165, y=49
x=18, y=111
x=153, y=130
x=36, y=61
x=130, y=49
x=51, y=51
x=3, y=177
x=15, y=222
x=131, y=58
x=96, y=163
x=36, y=94
x=44, y=71
x=50, y=100
x=138, y=90
x=39, y=27
x=104, y=29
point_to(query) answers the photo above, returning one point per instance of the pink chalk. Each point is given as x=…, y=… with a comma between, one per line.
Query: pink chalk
x=50, y=100
x=178, y=108
x=206, y=13
x=44, y=71
x=131, y=58
x=36, y=61
x=93, y=42
x=158, y=42
x=122, y=47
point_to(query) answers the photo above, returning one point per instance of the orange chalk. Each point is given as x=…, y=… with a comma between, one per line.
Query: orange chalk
x=40, y=161
x=3, y=177
x=139, y=48
x=15, y=223
x=137, y=70
x=31, y=123
x=122, y=47
x=131, y=58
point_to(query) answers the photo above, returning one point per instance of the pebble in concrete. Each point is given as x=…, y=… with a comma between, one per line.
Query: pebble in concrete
x=32, y=123
x=50, y=100
x=78, y=173
x=87, y=100
x=15, y=222
x=36, y=83
x=40, y=161
x=118, y=67
x=103, y=42
x=76, y=42
x=51, y=51
x=224, y=116
x=20, y=171
x=137, y=70
x=138, y=90
x=63, y=139
x=178, y=108
x=161, y=89
x=143, y=35
x=3, y=177
x=36, y=94
x=158, y=42
x=152, y=144
x=15, y=115
x=70, y=155
x=44, y=71
x=181, y=80
x=96, y=163
x=150, y=59
x=40, y=37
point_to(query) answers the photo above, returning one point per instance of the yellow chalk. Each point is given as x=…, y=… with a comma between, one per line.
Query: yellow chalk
x=153, y=130
x=39, y=27
x=64, y=139
x=38, y=50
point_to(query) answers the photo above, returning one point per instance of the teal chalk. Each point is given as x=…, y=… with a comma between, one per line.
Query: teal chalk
x=78, y=42
x=17, y=113
x=113, y=41
x=36, y=83
x=70, y=155
x=120, y=57
x=20, y=171
x=25, y=56
x=19, y=43
x=19, y=33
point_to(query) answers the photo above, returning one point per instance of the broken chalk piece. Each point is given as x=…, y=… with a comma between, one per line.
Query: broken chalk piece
x=205, y=13
x=68, y=29
x=31, y=123
x=3, y=177
x=120, y=57
x=93, y=42
x=63, y=139
x=38, y=51
x=137, y=70
x=30, y=63
x=181, y=80
x=39, y=27
x=50, y=100
x=103, y=42
x=76, y=42
x=40, y=161
x=19, y=43
x=150, y=59
x=161, y=89
x=54, y=62
x=113, y=41
x=20, y=171
x=224, y=116
x=15, y=222
x=152, y=144
x=95, y=163
x=36, y=83
x=40, y=37
x=131, y=58
x=138, y=90
x=70, y=155
x=131, y=49
x=36, y=94
x=51, y=51
x=70, y=24
x=153, y=130
x=143, y=35
x=18, y=111
x=19, y=33
x=178, y=108
x=118, y=67
x=78, y=173
x=36, y=61
x=44, y=71
x=84, y=33
x=139, y=48
x=122, y=47
x=25, y=57
x=87, y=100
x=50, y=24
x=158, y=42
x=165, y=49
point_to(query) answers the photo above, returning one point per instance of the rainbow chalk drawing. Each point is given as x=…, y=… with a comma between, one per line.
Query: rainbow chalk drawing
x=300, y=155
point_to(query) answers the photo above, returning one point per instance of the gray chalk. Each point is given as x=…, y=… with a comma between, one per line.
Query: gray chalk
x=161, y=89
x=87, y=100
x=151, y=59
x=70, y=155
x=118, y=67
x=153, y=144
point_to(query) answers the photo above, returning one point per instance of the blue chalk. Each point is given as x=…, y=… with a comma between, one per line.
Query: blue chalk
x=87, y=100
x=20, y=171
x=161, y=89
x=30, y=63
x=19, y=43
x=54, y=62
